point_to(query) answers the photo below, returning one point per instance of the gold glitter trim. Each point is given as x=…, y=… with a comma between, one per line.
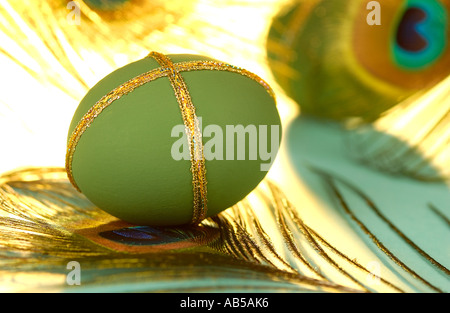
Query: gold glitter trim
x=194, y=136
x=170, y=70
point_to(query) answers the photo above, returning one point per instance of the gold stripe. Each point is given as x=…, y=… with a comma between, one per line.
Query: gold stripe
x=181, y=92
x=194, y=136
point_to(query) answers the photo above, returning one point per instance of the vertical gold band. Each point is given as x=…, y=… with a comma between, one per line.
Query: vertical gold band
x=194, y=136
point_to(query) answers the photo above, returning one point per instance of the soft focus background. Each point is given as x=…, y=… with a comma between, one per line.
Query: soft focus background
x=333, y=170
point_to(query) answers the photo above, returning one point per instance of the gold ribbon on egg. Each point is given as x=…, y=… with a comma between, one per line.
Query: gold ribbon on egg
x=194, y=136
x=192, y=128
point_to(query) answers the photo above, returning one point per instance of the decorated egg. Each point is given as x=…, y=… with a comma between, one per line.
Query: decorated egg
x=357, y=58
x=172, y=139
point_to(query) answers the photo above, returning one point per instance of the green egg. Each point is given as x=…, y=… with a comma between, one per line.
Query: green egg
x=336, y=65
x=131, y=161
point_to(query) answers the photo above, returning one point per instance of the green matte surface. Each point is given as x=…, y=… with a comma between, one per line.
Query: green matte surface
x=123, y=162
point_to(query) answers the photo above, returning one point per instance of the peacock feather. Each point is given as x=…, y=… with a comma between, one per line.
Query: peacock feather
x=411, y=139
x=46, y=224
x=320, y=222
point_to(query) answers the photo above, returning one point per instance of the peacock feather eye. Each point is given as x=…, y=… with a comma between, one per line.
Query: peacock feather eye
x=146, y=235
x=106, y=5
x=420, y=38
x=124, y=237
x=408, y=38
x=123, y=18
